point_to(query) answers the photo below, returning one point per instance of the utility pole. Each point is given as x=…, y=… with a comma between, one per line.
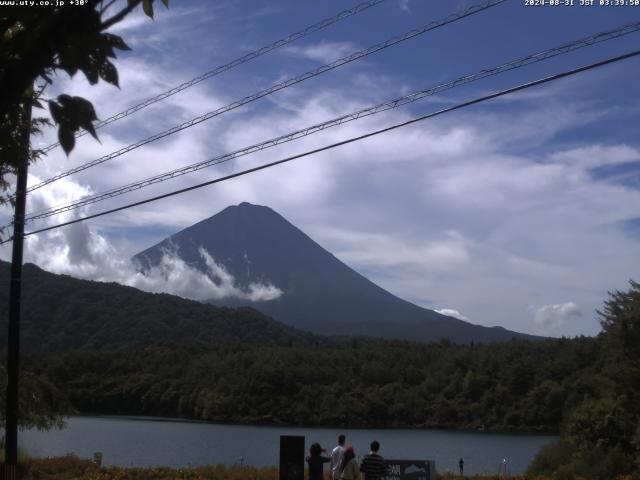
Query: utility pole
x=15, y=295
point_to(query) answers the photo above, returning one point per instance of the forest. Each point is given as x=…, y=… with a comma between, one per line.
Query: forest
x=508, y=386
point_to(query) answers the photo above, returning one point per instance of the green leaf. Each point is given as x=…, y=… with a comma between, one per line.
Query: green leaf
x=107, y=52
x=147, y=7
x=82, y=114
x=56, y=111
x=116, y=42
x=71, y=70
x=65, y=100
x=66, y=138
x=109, y=73
x=92, y=131
x=90, y=70
x=68, y=60
x=77, y=112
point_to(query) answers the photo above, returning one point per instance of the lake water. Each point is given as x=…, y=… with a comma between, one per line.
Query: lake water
x=135, y=441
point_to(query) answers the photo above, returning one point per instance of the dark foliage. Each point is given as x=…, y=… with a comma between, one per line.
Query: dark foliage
x=600, y=436
x=40, y=401
x=35, y=43
x=509, y=386
x=61, y=312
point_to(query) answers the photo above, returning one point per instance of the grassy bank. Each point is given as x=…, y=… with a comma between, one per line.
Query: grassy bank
x=71, y=467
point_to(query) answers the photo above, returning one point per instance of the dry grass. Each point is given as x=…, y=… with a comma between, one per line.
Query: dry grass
x=71, y=467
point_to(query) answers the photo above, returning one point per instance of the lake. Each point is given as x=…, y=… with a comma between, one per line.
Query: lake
x=143, y=441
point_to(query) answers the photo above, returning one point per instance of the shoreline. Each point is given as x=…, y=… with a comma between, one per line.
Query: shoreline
x=490, y=431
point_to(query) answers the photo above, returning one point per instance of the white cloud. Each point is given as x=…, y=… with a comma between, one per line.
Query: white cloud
x=450, y=312
x=445, y=251
x=404, y=5
x=556, y=315
x=324, y=51
x=174, y=276
x=596, y=156
x=131, y=24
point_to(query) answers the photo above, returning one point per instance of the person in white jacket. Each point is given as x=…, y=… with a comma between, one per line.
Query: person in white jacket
x=336, y=458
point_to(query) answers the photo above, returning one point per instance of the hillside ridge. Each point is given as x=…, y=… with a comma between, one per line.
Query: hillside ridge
x=60, y=312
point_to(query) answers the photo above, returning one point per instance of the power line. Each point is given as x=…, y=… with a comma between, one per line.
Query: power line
x=279, y=86
x=345, y=142
x=228, y=66
x=514, y=64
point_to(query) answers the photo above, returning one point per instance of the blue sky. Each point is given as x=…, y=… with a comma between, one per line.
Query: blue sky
x=520, y=212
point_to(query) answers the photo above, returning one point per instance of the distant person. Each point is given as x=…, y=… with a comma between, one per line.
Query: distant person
x=503, y=467
x=461, y=465
x=372, y=464
x=316, y=460
x=349, y=469
x=336, y=458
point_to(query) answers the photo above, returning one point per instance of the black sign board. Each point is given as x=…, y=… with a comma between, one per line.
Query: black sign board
x=410, y=470
x=291, y=457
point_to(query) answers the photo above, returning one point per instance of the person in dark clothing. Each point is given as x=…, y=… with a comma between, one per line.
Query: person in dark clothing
x=315, y=459
x=373, y=464
x=461, y=465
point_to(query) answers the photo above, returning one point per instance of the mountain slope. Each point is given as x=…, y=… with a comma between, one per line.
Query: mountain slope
x=320, y=293
x=60, y=312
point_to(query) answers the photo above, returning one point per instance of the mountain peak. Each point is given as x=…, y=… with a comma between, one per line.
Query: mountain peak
x=249, y=205
x=246, y=206
x=244, y=209
x=257, y=246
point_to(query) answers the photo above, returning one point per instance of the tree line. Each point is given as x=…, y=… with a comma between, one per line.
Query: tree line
x=517, y=385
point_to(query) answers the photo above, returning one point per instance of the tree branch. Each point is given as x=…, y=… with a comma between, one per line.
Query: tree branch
x=120, y=15
x=104, y=8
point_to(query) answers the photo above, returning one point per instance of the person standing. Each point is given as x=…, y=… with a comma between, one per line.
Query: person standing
x=315, y=459
x=461, y=465
x=349, y=469
x=336, y=458
x=503, y=467
x=372, y=464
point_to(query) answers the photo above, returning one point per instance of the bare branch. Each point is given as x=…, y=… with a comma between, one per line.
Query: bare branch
x=104, y=8
x=120, y=15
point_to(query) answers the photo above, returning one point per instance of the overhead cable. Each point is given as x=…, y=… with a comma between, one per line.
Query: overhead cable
x=277, y=87
x=233, y=63
x=344, y=142
x=391, y=104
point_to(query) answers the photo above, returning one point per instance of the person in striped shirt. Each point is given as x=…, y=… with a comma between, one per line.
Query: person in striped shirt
x=373, y=464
